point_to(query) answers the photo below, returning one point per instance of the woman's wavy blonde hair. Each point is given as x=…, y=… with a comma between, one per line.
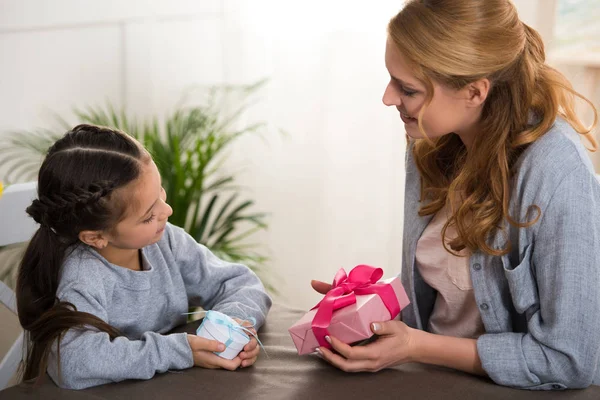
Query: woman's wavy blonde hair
x=456, y=42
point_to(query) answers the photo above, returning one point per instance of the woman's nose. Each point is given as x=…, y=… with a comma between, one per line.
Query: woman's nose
x=390, y=96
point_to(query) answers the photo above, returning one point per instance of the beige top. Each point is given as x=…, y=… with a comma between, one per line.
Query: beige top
x=455, y=312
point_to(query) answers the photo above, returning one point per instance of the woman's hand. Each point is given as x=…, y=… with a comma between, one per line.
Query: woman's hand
x=203, y=352
x=320, y=287
x=250, y=352
x=395, y=345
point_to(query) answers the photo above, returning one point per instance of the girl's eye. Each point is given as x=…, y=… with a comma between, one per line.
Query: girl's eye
x=147, y=221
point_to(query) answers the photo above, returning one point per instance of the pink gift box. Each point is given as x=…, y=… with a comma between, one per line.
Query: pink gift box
x=351, y=323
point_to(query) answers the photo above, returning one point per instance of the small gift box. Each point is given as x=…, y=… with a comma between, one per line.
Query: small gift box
x=220, y=327
x=346, y=312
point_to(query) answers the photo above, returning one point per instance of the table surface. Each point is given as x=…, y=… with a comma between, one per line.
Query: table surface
x=285, y=375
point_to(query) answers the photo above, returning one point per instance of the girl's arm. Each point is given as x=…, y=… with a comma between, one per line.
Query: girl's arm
x=90, y=358
x=212, y=283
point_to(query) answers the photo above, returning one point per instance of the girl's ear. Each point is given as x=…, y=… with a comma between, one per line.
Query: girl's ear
x=95, y=239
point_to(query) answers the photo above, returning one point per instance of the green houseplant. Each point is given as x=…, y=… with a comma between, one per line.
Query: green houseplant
x=189, y=148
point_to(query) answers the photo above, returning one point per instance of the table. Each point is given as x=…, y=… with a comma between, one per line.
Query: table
x=285, y=375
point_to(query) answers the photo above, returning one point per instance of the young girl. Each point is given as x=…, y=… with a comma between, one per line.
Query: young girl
x=501, y=246
x=105, y=277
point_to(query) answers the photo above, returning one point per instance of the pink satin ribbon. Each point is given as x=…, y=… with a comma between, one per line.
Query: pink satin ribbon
x=361, y=280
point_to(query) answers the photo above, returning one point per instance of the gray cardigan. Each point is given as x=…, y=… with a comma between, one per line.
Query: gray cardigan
x=145, y=306
x=540, y=304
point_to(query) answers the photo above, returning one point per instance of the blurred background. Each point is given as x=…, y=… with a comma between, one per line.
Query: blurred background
x=328, y=165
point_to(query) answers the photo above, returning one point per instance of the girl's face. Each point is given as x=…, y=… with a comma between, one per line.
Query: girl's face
x=449, y=111
x=146, y=215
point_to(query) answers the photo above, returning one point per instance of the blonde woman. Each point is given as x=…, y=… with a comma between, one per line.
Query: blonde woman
x=501, y=246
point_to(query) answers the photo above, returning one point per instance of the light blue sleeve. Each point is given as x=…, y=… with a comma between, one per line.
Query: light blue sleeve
x=562, y=346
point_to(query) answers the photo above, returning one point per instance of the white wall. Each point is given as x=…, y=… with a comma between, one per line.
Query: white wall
x=537, y=13
x=581, y=68
x=333, y=186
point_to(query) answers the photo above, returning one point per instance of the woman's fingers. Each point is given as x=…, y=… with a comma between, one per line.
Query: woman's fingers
x=321, y=287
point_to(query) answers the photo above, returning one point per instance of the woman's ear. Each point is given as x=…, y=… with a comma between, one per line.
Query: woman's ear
x=95, y=239
x=478, y=92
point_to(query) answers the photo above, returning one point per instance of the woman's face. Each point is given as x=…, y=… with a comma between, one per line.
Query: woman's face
x=450, y=110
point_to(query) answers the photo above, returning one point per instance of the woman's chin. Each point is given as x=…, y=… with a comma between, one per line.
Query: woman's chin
x=413, y=132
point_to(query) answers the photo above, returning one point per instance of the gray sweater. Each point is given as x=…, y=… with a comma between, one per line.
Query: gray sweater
x=145, y=305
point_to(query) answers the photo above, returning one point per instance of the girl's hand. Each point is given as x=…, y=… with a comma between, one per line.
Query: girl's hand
x=250, y=352
x=395, y=345
x=203, y=353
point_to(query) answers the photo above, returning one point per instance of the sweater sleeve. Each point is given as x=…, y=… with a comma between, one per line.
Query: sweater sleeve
x=212, y=283
x=89, y=358
x=557, y=286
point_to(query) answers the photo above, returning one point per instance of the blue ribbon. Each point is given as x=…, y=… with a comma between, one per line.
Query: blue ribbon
x=222, y=319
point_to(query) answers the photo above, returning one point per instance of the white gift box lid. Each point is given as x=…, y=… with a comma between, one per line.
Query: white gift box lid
x=220, y=327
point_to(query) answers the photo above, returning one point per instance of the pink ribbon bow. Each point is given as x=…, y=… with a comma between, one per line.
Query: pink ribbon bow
x=361, y=280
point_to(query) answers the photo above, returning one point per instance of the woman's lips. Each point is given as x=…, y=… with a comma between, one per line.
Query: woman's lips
x=407, y=119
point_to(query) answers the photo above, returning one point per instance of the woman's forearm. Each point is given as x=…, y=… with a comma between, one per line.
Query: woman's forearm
x=447, y=351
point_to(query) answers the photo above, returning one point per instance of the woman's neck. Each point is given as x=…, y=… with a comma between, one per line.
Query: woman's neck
x=470, y=130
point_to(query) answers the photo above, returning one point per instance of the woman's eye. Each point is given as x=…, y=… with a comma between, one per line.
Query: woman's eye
x=408, y=93
x=403, y=90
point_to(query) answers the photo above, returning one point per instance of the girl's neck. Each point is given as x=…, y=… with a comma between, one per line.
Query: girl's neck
x=126, y=258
